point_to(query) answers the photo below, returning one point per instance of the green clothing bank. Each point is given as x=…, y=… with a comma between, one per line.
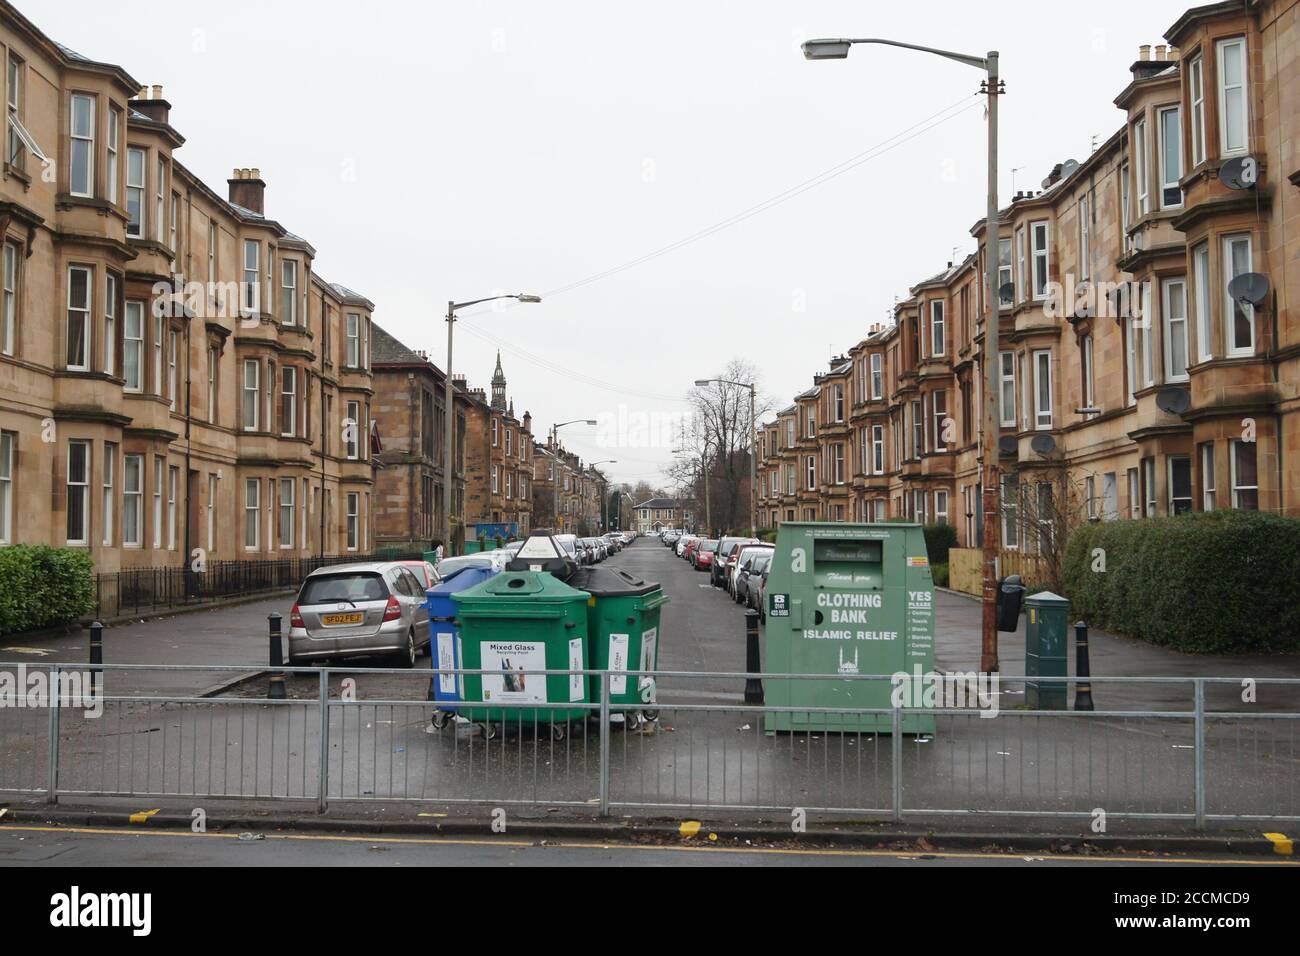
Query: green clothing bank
x=846, y=600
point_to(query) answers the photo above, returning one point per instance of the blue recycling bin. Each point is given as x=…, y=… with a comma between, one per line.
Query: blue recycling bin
x=444, y=643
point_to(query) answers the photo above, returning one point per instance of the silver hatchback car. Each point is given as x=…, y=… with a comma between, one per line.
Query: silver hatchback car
x=359, y=610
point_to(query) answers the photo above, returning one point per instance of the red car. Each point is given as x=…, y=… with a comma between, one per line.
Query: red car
x=688, y=552
x=702, y=556
x=424, y=571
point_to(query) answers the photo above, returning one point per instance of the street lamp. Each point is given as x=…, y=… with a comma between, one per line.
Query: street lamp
x=604, y=510
x=753, y=448
x=555, y=451
x=448, y=480
x=838, y=49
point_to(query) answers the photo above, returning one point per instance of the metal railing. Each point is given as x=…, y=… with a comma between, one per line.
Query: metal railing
x=136, y=590
x=696, y=748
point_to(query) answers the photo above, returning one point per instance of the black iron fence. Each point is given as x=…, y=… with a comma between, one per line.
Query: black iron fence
x=137, y=590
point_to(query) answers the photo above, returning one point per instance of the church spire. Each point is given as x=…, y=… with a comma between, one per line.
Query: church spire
x=499, y=385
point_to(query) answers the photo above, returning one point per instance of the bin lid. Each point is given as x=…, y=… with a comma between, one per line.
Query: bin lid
x=460, y=580
x=610, y=582
x=541, y=552
x=1046, y=597
x=538, y=587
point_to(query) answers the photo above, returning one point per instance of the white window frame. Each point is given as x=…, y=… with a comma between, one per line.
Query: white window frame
x=1196, y=99
x=1004, y=266
x=1006, y=416
x=113, y=146
x=877, y=375
x=9, y=307
x=110, y=324
x=135, y=187
x=810, y=472
x=1038, y=250
x=252, y=514
x=1042, y=359
x=289, y=291
x=1171, y=323
x=837, y=402
x=107, y=480
x=84, y=310
x=132, y=501
x=1171, y=503
x=938, y=415
x=938, y=341
x=1209, y=491
x=353, y=523
x=1168, y=184
x=837, y=462
x=214, y=360
x=82, y=537
x=212, y=513
x=1238, y=488
x=133, y=344
x=1140, y=168
x=1204, y=315
x=160, y=197
x=353, y=447
x=1134, y=494
x=173, y=480
x=288, y=401
x=940, y=506
x=75, y=138
x=7, y=442
x=1089, y=371
x=173, y=338
x=353, y=357
x=159, y=473
x=1233, y=142
x=252, y=292
x=1230, y=305
x=878, y=449
x=250, y=395
x=286, y=508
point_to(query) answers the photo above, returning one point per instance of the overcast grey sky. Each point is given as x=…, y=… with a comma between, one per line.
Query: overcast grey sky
x=452, y=150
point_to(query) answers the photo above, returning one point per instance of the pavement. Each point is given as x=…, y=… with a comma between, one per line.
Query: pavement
x=706, y=755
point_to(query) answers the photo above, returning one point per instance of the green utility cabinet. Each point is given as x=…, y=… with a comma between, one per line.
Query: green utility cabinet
x=1046, y=650
x=519, y=621
x=847, y=599
x=622, y=631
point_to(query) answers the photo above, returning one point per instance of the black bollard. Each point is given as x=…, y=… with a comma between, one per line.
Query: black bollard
x=276, y=690
x=1082, y=669
x=753, y=685
x=96, y=656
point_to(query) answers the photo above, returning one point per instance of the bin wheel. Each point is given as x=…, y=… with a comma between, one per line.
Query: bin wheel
x=558, y=731
x=439, y=719
x=650, y=715
x=491, y=731
x=633, y=720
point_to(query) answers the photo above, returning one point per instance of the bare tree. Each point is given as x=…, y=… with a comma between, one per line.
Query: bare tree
x=1042, y=506
x=713, y=460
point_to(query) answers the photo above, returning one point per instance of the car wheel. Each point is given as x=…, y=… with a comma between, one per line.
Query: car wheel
x=406, y=656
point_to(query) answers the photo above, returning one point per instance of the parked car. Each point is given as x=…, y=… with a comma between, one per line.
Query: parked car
x=359, y=610
x=496, y=560
x=702, y=557
x=760, y=594
x=683, y=542
x=424, y=571
x=689, y=551
x=717, y=574
x=737, y=555
x=752, y=563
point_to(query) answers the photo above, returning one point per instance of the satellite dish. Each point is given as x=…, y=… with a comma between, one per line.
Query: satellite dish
x=1008, y=445
x=1043, y=444
x=1173, y=400
x=1068, y=167
x=1007, y=291
x=1240, y=172
x=1249, y=288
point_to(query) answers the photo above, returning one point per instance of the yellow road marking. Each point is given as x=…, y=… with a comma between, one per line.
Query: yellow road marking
x=605, y=845
x=142, y=816
x=1282, y=844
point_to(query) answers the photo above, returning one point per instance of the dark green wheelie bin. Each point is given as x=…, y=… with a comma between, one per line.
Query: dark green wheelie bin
x=623, y=634
x=515, y=623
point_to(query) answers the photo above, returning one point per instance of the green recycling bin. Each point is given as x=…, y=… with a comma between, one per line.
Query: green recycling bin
x=514, y=623
x=848, y=599
x=1047, y=649
x=622, y=631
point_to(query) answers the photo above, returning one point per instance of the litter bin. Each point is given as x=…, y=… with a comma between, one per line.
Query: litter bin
x=1046, y=650
x=445, y=649
x=848, y=599
x=1011, y=592
x=622, y=634
x=515, y=623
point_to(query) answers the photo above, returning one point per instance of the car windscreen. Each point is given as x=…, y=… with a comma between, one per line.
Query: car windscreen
x=449, y=566
x=332, y=588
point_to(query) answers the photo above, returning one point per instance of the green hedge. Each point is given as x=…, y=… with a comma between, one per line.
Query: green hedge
x=939, y=540
x=42, y=586
x=1210, y=583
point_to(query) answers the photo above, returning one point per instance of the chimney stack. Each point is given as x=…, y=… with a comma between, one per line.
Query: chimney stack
x=152, y=105
x=248, y=190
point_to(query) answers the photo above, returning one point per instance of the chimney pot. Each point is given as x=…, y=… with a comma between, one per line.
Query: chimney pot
x=1160, y=51
x=1144, y=52
x=157, y=92
x=1173, y=53
x=248, y=190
